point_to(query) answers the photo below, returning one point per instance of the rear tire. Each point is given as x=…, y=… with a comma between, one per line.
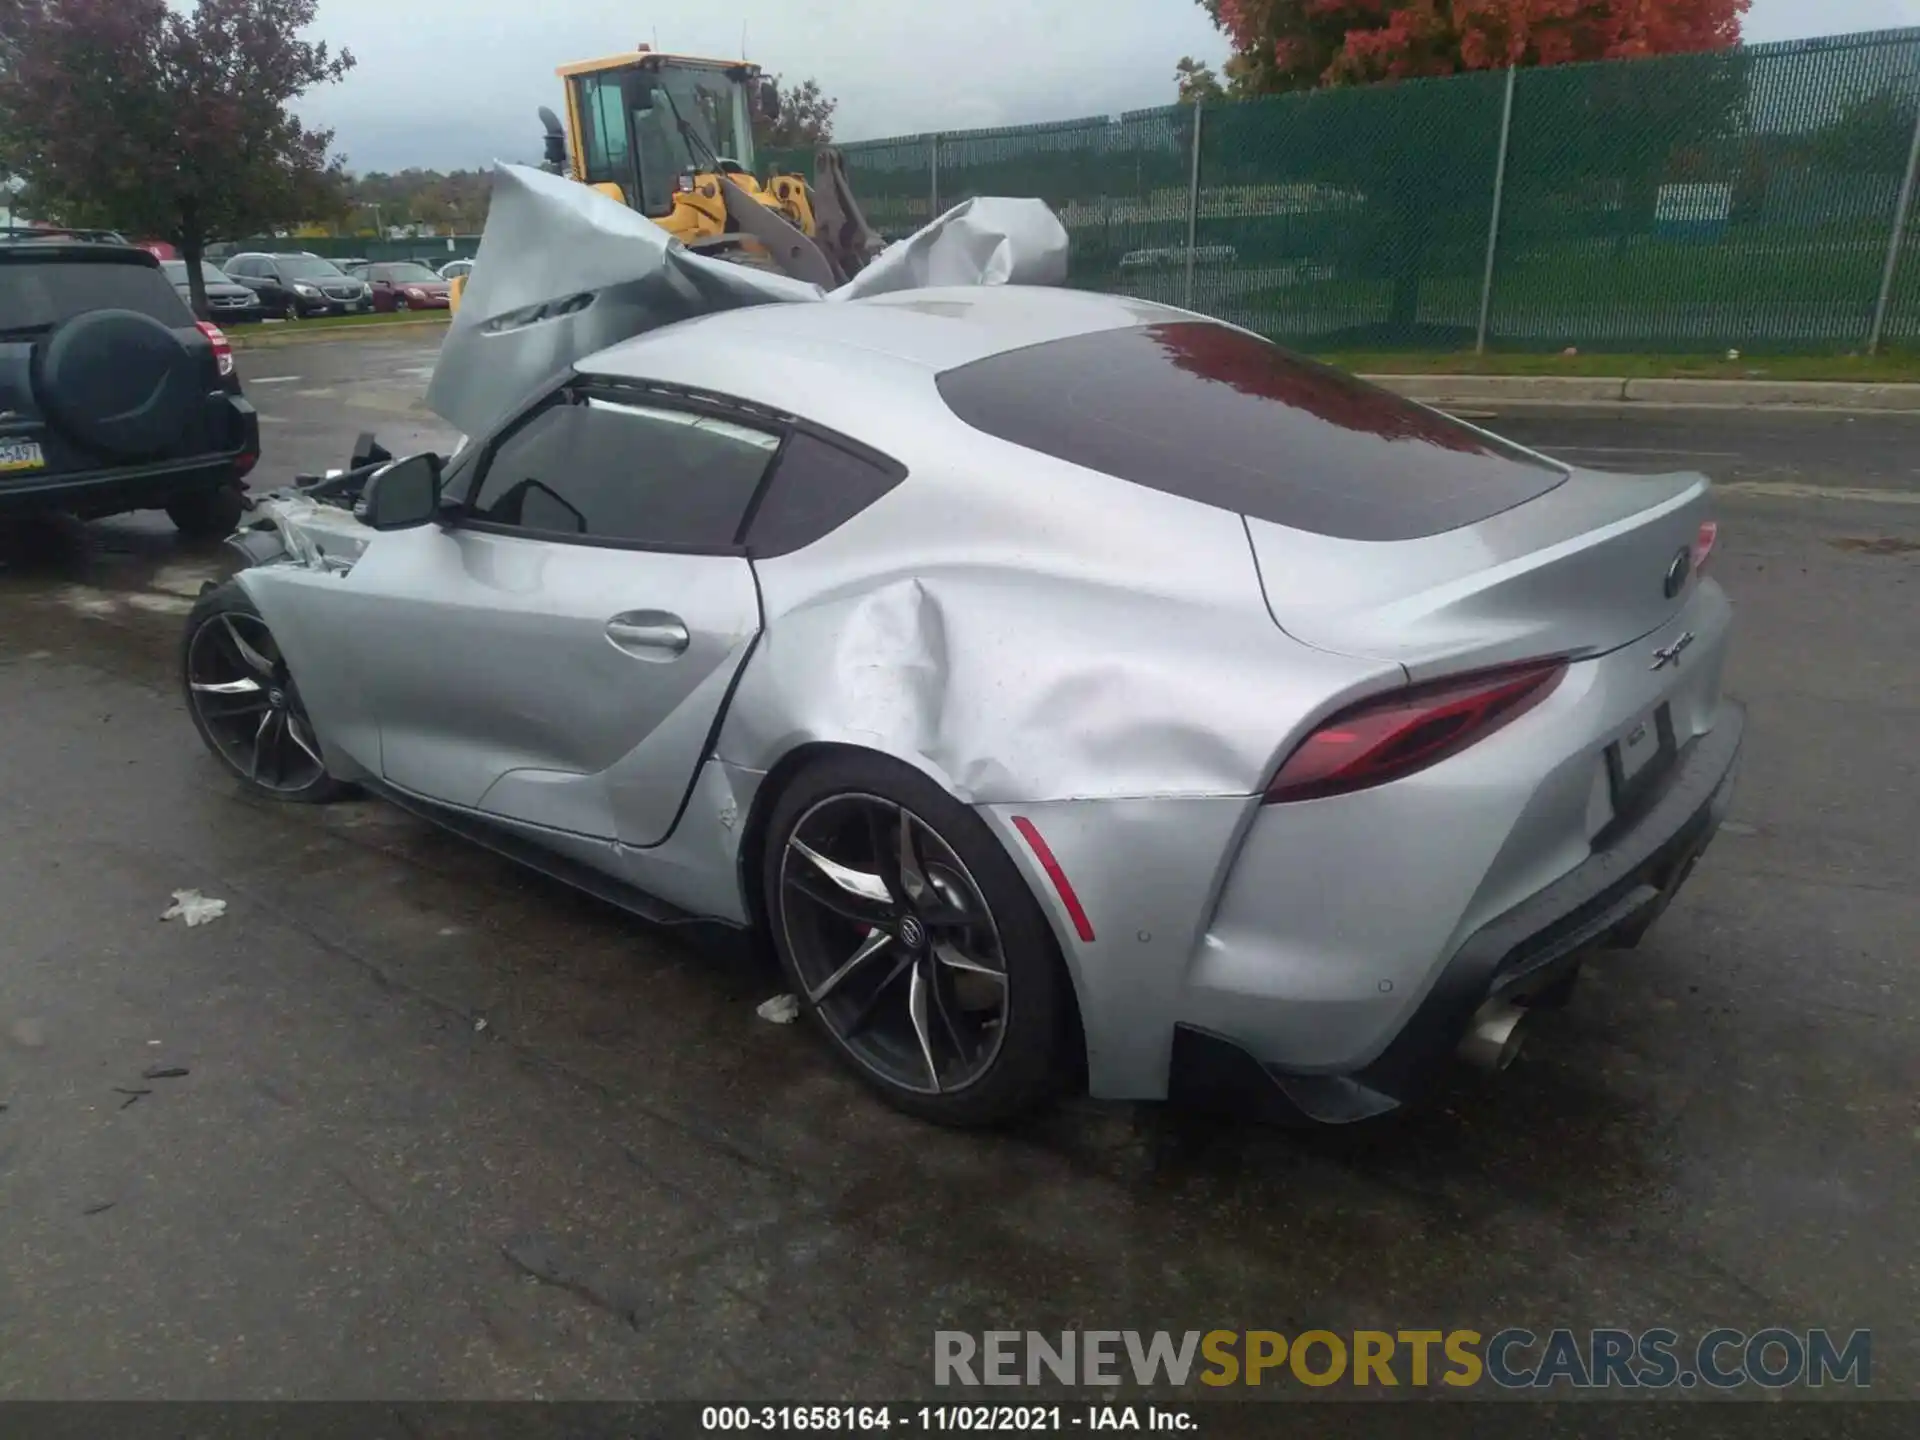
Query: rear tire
x=244, y=702
x=947, y=996
x=208, y=514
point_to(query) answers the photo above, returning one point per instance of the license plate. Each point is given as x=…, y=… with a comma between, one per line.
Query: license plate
x=1635, y=759
x=21, y=455
x=1638, y=748
x=355, y=308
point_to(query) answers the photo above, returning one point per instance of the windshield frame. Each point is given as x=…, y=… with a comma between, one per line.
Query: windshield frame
x=615, y=143
x=687, y=84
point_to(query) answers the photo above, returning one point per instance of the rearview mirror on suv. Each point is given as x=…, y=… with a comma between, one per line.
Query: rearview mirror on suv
x=402, y=495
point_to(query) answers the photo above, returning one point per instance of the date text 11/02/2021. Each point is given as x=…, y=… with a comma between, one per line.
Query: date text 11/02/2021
x=936, y=1419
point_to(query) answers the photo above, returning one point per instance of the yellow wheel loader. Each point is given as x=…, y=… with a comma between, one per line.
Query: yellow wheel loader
x=671, y=136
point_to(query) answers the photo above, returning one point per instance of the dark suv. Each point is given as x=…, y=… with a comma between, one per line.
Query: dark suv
x=112, y=397
x=295, y=287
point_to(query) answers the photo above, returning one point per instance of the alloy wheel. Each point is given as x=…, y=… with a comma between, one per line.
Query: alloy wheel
x=894, y=944
x=240, y=688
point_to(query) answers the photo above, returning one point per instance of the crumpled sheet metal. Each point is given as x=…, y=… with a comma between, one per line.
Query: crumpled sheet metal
x=548, y=241
x=988, y=241
x=314, y=534
x=552, y=242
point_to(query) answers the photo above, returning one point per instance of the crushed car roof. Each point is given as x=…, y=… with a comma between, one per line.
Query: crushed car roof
x=564, y=272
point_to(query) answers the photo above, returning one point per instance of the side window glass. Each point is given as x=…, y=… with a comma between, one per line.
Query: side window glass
x=606, y=139
x=604, y=469
x=817, y=489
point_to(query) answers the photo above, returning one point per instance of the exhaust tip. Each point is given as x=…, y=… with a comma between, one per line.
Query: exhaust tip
x=1495, y=1035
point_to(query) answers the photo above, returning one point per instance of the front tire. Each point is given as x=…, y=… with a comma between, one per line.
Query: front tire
x=245, y=704
x=909, y=936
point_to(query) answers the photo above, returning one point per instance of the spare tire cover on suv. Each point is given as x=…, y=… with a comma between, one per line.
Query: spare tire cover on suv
x=120, y=382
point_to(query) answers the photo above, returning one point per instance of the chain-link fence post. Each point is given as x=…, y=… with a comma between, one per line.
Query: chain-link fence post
x=1902, y=209
x=1193, y=201
x=933, y=177
x=1493, y=222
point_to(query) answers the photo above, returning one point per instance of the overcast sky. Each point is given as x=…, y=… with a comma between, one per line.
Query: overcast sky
x=451, y=84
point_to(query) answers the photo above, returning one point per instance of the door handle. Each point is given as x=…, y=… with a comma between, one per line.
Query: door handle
x=649, y=634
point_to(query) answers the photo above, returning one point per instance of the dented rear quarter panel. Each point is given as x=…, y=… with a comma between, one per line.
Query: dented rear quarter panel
x=1023, y=630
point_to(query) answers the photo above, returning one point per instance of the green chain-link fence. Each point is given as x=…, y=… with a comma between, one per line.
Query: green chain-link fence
x=1746, y=199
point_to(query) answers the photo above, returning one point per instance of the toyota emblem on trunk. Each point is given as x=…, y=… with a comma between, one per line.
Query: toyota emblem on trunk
x=1678, y=571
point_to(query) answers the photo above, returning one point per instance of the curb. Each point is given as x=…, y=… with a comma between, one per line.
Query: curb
x=316, y=334
x=1605, y=390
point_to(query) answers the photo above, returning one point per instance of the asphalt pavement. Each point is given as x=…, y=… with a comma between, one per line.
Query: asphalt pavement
x=444, y=1129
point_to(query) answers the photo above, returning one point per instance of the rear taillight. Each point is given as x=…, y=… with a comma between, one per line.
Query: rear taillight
x=1703, y=544
x=1385, y=739
x=222, y=347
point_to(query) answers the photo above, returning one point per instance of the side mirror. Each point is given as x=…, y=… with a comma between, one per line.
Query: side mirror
x=401, y=496
x=770, y=99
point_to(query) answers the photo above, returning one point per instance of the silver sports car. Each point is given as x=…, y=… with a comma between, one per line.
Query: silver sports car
x=1070, y=688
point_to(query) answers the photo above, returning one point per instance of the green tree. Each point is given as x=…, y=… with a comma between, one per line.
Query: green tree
x=805, y=119
x=167, y=123
x=1197, y=82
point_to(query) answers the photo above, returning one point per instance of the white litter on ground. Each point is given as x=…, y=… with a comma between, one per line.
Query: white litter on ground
x=781, y=1010
x=194, y=908
x=185, y=580
x=88, y=601
x=159, y=604
x=478, y=1026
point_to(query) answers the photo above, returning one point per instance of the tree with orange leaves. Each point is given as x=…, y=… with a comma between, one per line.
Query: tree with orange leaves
x=1302, y=44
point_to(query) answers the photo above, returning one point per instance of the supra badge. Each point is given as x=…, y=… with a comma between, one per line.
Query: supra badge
x=1670, y=654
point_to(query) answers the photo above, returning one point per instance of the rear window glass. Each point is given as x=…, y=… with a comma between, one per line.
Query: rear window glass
x=36, y=295
x=1210, y=414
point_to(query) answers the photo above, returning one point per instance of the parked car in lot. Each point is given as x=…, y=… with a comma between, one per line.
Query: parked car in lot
x=1062, y=683
x=404, y=285
x=59, y=233
x=229, y=302
x=112, y=396
x=299, y=287
x=455, y=270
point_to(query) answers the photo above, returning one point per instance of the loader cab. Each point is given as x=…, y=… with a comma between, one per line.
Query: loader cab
x=643, y=124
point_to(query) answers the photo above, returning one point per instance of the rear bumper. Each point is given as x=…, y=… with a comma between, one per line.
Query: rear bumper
x=1612, y=897
x=121, y=488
